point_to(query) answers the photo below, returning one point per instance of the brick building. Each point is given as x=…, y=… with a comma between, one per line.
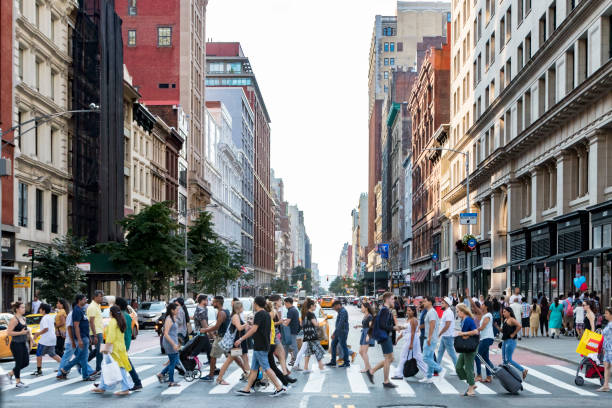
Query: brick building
x=429, y=105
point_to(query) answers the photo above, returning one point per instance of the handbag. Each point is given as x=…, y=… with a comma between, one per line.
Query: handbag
x=411, y=367
x=227, y=342
x=466, y=345
x=310, y=332
x=111, y=373
x=236, y=352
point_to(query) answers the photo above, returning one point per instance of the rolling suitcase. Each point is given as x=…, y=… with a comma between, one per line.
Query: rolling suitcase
x=508, y=377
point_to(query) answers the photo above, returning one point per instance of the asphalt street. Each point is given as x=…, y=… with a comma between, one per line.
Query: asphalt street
x=550, y=384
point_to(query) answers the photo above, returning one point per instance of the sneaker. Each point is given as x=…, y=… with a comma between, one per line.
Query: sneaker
x=290, y=380
x=244, y=377
x=208, y=378
x=243, y=392
x=426, y=380
x=330, y=364
x=397, y=377
x=37, y=373
x=217, y=371
x=89, y=379
x=136, y=388
x=291, y=363
x=345, y=365
x=389, y=385
x=276, y=393
x=21, y=385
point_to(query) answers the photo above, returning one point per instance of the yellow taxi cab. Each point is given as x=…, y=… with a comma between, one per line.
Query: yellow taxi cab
x=5, y=339
x=33, y=323
x=106, y=318
x=326, y=302
x=322, y=318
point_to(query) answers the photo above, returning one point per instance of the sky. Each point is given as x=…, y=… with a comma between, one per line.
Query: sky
x=311, y=61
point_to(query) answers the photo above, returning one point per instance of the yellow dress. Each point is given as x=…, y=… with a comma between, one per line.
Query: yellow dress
x=116, y=338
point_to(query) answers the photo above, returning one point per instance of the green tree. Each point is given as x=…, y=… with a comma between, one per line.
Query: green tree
x=299, y=273
x=213, y=265
x=56, y=266
x=337, y=285
x=280, y=285
x=152, y=252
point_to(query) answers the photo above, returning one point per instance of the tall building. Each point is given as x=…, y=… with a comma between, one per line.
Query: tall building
x=530, y=85
x=227, y=65
x=294, y=222
x=173, y=35
x=282, y=230
x=394, y=42
x=343, y=261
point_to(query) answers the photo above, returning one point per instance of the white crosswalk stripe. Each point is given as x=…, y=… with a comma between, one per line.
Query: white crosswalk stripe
x=51, y=387
x=356, y=380
x=315, y=380
x=149, y=380
x=533, y=389
x=32, y=381
x=559, y=383
x=403, y=388
x=87, y=388
x=444, y=386
x=177, y=390
x=569, y=371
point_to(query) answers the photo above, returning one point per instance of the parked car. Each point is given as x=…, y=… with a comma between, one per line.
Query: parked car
x=149, y=313
x=326, y=302
x=5, y=339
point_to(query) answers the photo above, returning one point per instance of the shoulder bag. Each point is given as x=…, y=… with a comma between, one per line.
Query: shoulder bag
x=467, y=345
x=227, y=342
x=310, y=332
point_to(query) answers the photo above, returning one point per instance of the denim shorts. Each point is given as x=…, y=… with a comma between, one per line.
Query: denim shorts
x=362, y=340
x=386, y=345
x=42, y=350
x=260, y=359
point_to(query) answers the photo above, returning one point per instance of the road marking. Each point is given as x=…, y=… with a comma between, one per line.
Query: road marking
x=484, y=390
x=149, y=380
x=337, y=406
x=315, y=380
x=32, y=381
x=143, y=350
x=534, y=389
x=350, y=406
x=356, y=381
x=558, y=383
x=403, y=388
x=50, y=387
x=177, y=390
x=444, y=386
x=571, y=372
x=88, y=387
x=233, y=379
x=334, y=395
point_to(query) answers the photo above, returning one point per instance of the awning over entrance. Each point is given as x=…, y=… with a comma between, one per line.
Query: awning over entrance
x=501, y=268
x=419, y=276
x=587, y=256
x=557, y=257
x=380, y=276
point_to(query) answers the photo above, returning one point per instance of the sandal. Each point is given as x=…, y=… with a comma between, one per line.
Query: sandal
x=524, y=374
x=173, y=384
x=98, y=391
x=222, y=382
x=122, y=393
x=602, y=389
x=160, y=378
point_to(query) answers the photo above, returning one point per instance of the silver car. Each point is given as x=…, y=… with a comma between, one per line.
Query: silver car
x=149, y=312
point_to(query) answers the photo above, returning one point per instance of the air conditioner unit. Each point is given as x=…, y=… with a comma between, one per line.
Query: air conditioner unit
x=5, y=167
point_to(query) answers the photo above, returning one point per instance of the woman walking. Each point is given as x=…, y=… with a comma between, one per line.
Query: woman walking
x=534, y=317
x=20, y=348
x=555, y=318
x=364, y=342
x=465, y=362
x=61, y=311
x=544, y=306
x=279, y=350
x=589, y=316
x=115, y=346
x=170, y=343
x=510, y=331
x=607, y=349
x=412, y=345
x=313, y=346
x=279, y=374
x=238, y=327
x=486, y=339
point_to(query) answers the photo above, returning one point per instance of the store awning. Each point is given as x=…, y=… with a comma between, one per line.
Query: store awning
x=380, y=276
x=457, y=272
x=440, y=271
x=419, y=276
x=501, y=268
x=10, y=269
x=587, y=256
x=555, y=258
x=477, y=269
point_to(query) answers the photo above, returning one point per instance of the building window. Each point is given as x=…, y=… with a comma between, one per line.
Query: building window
x=54, y=214
x=400, y=46
x=22, y=205
x=36, y=138
x=392, y=47
x=21, y=54
x=131, y=38
x=52, y=84
x=132, y=11
x=388, y=31
x=386, y=47
x=386, y=61
x=386, y=74
x=164, y=36
x=39, y=209
x=508, y=23
x=53, y=27
x=391, y=61
x=542, y=28
x=37, y=68
x=519, y=56
x=502, y=32
x=182, y=207
x=234, y=67
x=182, y=175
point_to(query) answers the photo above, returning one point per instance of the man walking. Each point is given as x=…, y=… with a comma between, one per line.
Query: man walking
x=293, y=322
x=94, y=315
x=35, y=304
x=431, y=324
x=260, y=330
x=340, y=335
x=81, y=332
x=46, y=344
x=382, y=326
x=220, y=327
x=200, y=322
x=447, y=332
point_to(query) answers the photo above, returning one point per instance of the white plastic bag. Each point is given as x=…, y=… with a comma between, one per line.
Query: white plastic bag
x=111, y=373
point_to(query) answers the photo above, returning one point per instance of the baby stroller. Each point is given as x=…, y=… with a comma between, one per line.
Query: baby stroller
x=592, y=369
x=188, y=358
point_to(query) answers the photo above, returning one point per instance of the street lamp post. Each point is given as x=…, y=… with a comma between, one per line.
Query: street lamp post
x=467, y=206
x=93, y=108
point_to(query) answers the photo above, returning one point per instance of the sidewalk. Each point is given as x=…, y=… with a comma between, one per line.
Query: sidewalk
x=563, y=348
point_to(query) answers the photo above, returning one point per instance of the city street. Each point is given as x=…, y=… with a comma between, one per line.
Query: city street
x=550, y=384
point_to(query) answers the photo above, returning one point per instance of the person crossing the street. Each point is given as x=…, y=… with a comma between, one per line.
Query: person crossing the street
x=485, y=330
x=607, y=351
x=510, y=330
x=431, y=323
x=81, y=330
x=20, y=335
x=129, y=333
x=382, y=326
x=285, y=380
x=340, y=335
x=412, y=345
x=311, y=338
x=96, y=327
x=465, y=362
x=47, y=342
x=61, y=309
x=238, y=327
x=366, y=341
x=447, y=332
x=200, y=322
x=170, y=342
x=220, y=327
x=293, y=322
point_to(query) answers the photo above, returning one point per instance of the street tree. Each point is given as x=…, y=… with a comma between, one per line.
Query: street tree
x=152, y=252
x=337, y=285
x=279, y=285
x=56, y=265
x=299, y=273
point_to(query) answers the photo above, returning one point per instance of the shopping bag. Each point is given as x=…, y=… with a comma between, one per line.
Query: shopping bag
x=111, y=373
x=590, y=342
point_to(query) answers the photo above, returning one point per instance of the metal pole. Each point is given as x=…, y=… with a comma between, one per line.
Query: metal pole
x=185, y=271
x=1, y=207
x=467, y=200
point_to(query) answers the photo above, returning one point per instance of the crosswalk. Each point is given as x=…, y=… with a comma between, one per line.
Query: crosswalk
x=542, y=381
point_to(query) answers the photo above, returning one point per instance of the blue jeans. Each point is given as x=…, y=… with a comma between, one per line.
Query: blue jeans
x=134, y=374
x=340, y=338
x=68, y=353
x=483, y=351
x=429, y=358
x=507, y=350
x=80, y=357
x=126, y=383
x=100, y=338
x=447, y=343
x=169, y=369
x=292, y=345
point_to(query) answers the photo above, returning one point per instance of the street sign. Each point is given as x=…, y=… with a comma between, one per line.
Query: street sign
x=434, y=257
x=21, y=281
x=487, y=263
x=84, y=266
x=383, y=250
x=468, y=218
x=471, y=243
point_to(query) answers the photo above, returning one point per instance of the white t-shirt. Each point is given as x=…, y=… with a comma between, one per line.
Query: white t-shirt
x=48, y=338
x=448, y=316
x=516, y=299
x=579, y=314
x=487, y=332
x=35, y=306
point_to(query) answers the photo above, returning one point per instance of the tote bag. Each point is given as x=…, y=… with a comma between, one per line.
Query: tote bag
x=410, y=366
x=227, y=342
x=111, y=373
x=310, y=332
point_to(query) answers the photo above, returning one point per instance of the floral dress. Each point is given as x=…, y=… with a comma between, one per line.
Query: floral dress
x=607, y=344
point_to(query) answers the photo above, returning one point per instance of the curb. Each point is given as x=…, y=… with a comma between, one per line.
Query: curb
x=567, y=360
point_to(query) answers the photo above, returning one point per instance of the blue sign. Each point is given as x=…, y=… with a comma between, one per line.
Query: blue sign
x=471, y=243
x=434, y=257
x=383, y=250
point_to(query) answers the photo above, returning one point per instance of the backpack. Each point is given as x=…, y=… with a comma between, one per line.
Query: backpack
x=379, y=334
x=569, y=310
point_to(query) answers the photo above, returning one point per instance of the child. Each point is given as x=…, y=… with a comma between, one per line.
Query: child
x=579, y=315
